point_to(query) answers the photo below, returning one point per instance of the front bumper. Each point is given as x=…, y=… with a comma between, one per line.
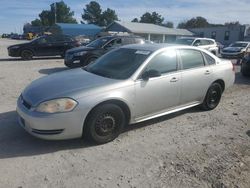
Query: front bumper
x=232, y=55
x=13, y=52
x=71, y=60
x=58, y=126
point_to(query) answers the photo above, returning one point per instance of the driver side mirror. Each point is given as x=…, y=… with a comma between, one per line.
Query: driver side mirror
x=150, y=74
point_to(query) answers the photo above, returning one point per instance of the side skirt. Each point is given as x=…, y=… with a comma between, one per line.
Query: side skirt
x=168, y=111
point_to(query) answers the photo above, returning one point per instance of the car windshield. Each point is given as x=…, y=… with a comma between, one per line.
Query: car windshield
x=118, y=64
x=98, y=42
x=239, y=44
x=184, y=41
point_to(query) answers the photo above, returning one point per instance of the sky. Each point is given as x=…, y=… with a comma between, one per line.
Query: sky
x=15, y=13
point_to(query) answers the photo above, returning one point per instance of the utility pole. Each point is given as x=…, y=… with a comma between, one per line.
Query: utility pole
x=55, y=12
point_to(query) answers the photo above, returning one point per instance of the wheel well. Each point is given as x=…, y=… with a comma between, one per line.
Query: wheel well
x=222, y=83
x=119, y=103
x=26, y=49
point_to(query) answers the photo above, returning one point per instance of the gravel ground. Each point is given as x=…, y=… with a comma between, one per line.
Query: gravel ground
x=186, y=149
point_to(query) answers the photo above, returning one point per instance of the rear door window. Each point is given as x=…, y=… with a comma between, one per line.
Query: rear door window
x=191, y=58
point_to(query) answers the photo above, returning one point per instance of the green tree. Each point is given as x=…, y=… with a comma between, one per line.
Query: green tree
x=109, y=16
x=48, y=17
x=232, y=23
x=135, y=20
x=197, y=22
x=36, y=22
x=93, y=14
x=153, y=18
x=168, y=24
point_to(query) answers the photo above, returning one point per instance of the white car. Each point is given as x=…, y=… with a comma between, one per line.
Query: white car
x=128, y=85
x=204, y=43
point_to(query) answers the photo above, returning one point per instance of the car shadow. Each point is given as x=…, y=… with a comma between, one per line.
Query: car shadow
x=35, y=58
x=16, y=142
x=161, y=119
x=52, y=70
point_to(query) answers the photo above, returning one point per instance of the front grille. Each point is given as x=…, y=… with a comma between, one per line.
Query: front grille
x=25, y=103
x=47, y=132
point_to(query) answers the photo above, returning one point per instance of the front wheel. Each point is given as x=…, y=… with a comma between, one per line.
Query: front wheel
x=213, y=97
x=27, y=54
x=104, y=124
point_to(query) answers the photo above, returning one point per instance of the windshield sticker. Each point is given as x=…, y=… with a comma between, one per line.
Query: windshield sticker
x=142, y=52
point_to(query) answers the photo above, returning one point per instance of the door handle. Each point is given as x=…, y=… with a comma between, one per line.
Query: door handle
x=207, y=72
x=174, y=79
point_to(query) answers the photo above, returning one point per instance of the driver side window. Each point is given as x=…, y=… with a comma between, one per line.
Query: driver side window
x=197, y=43
x=165, y=62
x=114, y=43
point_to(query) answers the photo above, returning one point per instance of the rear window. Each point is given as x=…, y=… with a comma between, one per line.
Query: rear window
x=191, y=58
x=209, y=59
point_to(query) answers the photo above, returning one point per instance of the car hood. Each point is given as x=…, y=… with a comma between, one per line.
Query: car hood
x=233, y=49
x=21, y=44
x=80, y=49
x=65, y=84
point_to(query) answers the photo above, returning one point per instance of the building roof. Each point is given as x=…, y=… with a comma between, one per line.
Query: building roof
x=135, y=27
x=79, y=29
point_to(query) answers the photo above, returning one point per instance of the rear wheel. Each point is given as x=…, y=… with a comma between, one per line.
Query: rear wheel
x=213, y=97
x=27, y=54
x=104, y=124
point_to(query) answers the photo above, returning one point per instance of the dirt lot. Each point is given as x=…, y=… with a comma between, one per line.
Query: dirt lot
x=186, y=149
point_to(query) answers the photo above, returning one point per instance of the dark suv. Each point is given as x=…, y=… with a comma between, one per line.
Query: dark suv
x=50, y=45
x=84, y=55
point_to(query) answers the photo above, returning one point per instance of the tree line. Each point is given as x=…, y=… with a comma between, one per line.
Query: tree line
x=60, y=12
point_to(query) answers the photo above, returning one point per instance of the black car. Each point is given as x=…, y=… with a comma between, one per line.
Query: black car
x=84, y=55
x=245, y=65
x=50, y=45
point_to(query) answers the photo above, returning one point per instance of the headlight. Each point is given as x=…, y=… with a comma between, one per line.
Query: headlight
x=57, y=105
x=80, y=53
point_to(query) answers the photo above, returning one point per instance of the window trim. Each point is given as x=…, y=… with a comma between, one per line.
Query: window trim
x=180, y=60
x=207, y=64
x=138, y=78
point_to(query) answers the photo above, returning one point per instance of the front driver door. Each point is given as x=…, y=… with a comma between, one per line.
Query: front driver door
x=43, y=47
x=158, y=94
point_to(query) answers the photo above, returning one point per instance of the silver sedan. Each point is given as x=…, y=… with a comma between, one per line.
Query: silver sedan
x=128, y=85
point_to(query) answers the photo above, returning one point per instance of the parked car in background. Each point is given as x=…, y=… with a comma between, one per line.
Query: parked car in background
x=220, y=47
x=235, y=50
x=50, y=45
x=204, y=43
x=130, y=84
x=245, y=64
x=17, y=37
x=82, y=56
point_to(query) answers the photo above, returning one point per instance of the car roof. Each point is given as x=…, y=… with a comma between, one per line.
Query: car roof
x=242, y=42
x=121, y=36
x=196, y=38
x=150, y=47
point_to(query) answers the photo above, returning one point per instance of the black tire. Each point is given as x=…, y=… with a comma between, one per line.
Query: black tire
x=89, y=60
x=213, y=97
x=244, y=72
x=104, y=123
x=27, y=54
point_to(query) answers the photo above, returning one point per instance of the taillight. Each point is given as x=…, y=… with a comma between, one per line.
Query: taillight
x=233, y=69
